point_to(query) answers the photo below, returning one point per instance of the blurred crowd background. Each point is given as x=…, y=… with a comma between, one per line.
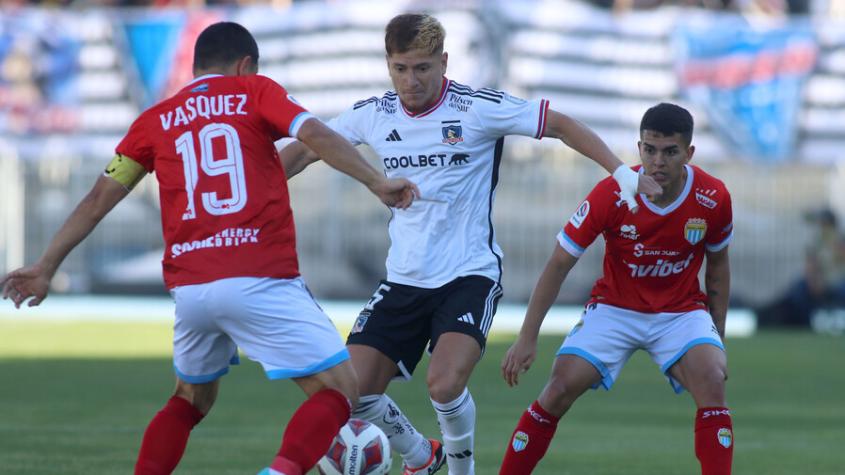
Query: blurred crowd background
x=765, y=80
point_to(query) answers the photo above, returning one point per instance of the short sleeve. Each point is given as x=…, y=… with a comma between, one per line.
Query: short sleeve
x=587, y=222
x=511, y=115
x=719, y=236
x=280, y=111
x=354, y=123
x=137, y=144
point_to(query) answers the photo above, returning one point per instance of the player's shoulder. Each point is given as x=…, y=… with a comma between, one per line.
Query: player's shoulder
x=708, y=190
x=387, y=103
x=485, y=95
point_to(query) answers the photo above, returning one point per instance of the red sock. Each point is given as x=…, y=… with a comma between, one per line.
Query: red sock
x=714, y=440
x=310, y=431
x=166, y=437
x=529, y=441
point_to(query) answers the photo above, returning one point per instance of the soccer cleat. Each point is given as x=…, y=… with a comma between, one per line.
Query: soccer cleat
x=437, y=459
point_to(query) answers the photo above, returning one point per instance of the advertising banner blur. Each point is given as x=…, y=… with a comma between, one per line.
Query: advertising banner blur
x=748, y=79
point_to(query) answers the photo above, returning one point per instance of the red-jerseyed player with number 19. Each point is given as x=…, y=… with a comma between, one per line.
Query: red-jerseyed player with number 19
x=230, y=258
x=648, y=297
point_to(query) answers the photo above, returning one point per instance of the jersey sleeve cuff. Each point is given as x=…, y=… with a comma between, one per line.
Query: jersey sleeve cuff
x=541, y=120
x=569, y=245
x=720, y=245
x=297, y=122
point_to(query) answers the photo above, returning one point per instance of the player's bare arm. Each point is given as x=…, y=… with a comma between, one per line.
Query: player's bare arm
x=583, y=140
x=717, y=284
x=341, y=155
x=296, y=156
x=522, y=353
x=34, y=281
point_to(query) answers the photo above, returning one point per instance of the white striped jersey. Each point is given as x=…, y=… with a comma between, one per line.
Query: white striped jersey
x=452, y=152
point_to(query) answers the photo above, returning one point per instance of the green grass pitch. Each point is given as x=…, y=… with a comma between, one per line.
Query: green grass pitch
x=75, y=398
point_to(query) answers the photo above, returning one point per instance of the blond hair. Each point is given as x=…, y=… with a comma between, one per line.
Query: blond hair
x=414, y=31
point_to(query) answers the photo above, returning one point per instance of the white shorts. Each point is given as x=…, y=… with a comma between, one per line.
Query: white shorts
x=276, y=322
x=607, y=336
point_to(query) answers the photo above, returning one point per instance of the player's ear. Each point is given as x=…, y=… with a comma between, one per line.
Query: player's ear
x=444, y=60
x=690, y=152
x=246, y=66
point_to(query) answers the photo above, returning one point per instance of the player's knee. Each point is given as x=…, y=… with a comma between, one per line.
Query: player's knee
x=445, y=388
x=201, y=396
x=557, y=396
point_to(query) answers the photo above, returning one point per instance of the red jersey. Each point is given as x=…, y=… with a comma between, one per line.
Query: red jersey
x=652, y=257
x=225, y=209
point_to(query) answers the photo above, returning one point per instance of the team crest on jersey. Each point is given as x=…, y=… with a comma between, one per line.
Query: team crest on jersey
x=360, y=322
x=725, y=437
x=580, y=214
x=520, y=441
x=452, y=133
x=694, y=230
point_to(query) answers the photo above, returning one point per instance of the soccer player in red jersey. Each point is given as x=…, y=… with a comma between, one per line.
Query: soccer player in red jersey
x=648, y=297
x=230, y=258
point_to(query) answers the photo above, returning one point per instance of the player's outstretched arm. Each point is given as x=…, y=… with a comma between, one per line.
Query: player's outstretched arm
x=521, y=354
x=295, y=157
x=717, y=283
x=34, y=281
x=341, y=155
x=583, y=140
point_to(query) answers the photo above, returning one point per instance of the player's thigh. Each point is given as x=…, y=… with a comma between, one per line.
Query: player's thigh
x=466, y=306
x=202, y=351
x=690, y=340
x=396, y=323
x=451, y=365
x=606, y=337
x=571, y=376
x=375, y=370
x=341, y=377
x=277, y=323
x=703, y=371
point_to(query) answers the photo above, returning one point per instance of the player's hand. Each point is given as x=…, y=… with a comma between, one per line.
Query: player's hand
x=517, y=360
x=631, y=183
x=32, y=281
x=396, y=192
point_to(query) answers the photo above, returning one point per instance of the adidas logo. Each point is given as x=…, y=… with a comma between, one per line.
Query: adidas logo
x=467, y=318
x=461, y=455
x=393, y=137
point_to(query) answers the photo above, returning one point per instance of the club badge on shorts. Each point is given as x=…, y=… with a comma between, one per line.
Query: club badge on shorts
x=520, y=441
x=695, y=229
x=725, y=437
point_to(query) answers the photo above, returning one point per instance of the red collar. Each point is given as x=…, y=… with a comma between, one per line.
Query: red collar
x=431, y=109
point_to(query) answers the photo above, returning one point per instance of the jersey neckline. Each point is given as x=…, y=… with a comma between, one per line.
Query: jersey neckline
x=678, y=201
x=444, y=87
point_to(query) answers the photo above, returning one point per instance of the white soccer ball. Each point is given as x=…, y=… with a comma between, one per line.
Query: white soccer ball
x=360, y=448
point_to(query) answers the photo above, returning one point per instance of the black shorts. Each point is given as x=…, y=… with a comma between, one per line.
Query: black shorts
x=399, y=320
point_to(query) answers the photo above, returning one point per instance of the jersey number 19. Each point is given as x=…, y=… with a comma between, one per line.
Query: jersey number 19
x=232, y=164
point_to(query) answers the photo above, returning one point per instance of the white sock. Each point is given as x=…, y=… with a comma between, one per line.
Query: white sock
x=457, y=423
x=380, y=410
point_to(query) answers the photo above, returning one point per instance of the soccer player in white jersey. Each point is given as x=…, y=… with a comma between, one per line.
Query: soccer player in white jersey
x=648, y=297
x=230, y=261
x=443, y=266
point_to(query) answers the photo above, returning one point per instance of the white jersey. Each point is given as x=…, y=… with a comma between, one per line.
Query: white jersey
x=452, y=152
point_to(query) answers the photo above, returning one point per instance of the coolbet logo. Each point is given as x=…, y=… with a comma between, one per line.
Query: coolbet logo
x=725, y=437
x=581, y=213
x=660, y=268
x=629, y=231
x=520, y=441
x=453, y=133
x=228, y=238
x=425, y=161
x=695, y=229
